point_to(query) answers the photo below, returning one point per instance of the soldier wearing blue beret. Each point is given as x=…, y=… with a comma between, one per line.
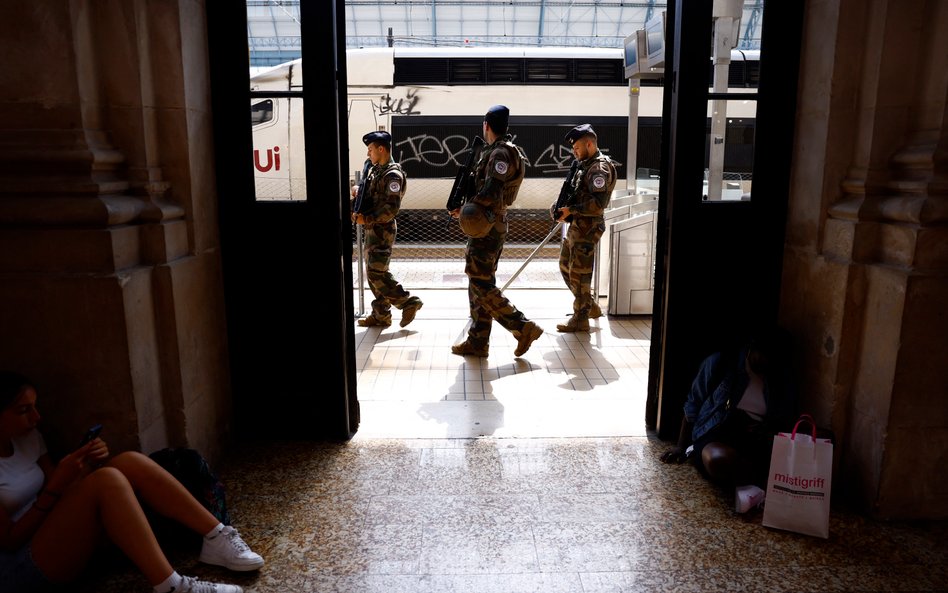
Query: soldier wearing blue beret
x=498, y=174
x=579, y=132
x=591, y=190
x=376, y=202
x=380, y=137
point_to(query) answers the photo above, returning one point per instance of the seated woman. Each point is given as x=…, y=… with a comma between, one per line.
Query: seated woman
x=53, y=516
x=737, y=403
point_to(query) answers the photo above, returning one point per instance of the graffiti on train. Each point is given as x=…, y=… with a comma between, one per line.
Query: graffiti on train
x=441, y=156
x=404, y=106
x=431, y=151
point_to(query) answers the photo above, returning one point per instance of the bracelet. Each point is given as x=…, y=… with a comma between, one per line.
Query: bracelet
x=51, y=493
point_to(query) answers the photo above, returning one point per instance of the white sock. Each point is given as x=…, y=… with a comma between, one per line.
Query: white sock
x=214, y=532
x=169, y=583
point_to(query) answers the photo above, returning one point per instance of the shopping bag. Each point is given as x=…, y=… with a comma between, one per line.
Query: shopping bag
x=798, y=486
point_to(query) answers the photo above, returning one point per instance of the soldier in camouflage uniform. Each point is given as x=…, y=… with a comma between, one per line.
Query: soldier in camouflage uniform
x=384, y=188
x=592, y=188
x=498, y=174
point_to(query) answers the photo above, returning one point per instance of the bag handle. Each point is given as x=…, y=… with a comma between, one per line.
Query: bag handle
x=804, y=418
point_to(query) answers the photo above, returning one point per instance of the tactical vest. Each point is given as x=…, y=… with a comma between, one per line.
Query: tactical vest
x=517, y=160
x=581, y=191
x=512, y=187
x=377, y=187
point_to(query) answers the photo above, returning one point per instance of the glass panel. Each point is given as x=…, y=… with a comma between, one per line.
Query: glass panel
x=734, y=58
x=733, y=75
x=273, y=32
x=729, y=155
x=278, y=150
x=273, y=39
x=261, y=112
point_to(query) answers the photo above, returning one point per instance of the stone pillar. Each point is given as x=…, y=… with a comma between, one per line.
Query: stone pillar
x=867, y=256
x=112, y=298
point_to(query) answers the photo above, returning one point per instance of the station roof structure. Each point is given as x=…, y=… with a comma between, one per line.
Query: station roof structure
x=273, y=28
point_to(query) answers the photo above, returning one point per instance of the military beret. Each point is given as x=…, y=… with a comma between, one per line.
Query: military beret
x=578, y=132
x=497, y=117
x=380, y=137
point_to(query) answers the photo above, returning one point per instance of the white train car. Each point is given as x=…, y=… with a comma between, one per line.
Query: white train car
x=432, y=100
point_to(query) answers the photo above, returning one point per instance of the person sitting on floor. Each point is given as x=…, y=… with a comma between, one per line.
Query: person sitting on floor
x=53, y=516
x=737, y=403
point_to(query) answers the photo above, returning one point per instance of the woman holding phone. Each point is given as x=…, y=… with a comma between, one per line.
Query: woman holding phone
x=53, y=516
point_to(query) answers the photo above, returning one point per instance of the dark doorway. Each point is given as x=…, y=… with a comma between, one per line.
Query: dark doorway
x=719, y=266
x=286, y=261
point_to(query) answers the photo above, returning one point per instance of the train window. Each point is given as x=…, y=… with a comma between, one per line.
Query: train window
x=548, y=70
x=466, y=72
x=261, y=112
x=505, y=71
x=599, y=72
x=743, y=71
x=743, y=74
x=421, y=70
x=537, y=71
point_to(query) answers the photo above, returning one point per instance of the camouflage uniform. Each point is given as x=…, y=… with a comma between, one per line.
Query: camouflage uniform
x=498, y=174
x=385, y=188
x=592, y=188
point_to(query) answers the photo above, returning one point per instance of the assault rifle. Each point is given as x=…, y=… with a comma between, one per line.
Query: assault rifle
x=566, y=194
x=360, y=205
x=463, y=187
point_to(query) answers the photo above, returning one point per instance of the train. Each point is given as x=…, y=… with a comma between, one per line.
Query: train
x=433, y=99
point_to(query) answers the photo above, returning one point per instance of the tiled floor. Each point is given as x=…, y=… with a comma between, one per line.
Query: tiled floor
x=523, y=476
x=584, y=384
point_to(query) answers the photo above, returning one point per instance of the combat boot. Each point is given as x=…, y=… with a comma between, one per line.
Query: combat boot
x=594, y=311
x=526, y=336
x=465, y=348
x=373, y=321
x=575, y=324
x=409, y=309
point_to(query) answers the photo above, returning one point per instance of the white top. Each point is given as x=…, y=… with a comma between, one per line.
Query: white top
x=753, y=401
x=21, y=477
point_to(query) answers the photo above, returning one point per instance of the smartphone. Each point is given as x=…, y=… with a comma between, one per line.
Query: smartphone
x=91, y=434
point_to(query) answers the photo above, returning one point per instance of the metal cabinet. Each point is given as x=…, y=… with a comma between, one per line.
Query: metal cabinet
x=631, y=263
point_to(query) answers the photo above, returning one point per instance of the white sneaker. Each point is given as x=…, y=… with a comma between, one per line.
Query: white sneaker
x=747, y=497
x=229, y=550
x=192, y=585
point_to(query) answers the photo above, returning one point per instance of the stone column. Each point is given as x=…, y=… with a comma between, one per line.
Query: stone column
x=113, y=307
x=868, y=250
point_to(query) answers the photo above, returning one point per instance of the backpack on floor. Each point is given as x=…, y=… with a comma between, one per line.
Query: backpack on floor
x=193, y=471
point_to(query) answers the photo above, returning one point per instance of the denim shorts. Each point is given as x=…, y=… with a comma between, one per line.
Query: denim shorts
x=18, y=573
